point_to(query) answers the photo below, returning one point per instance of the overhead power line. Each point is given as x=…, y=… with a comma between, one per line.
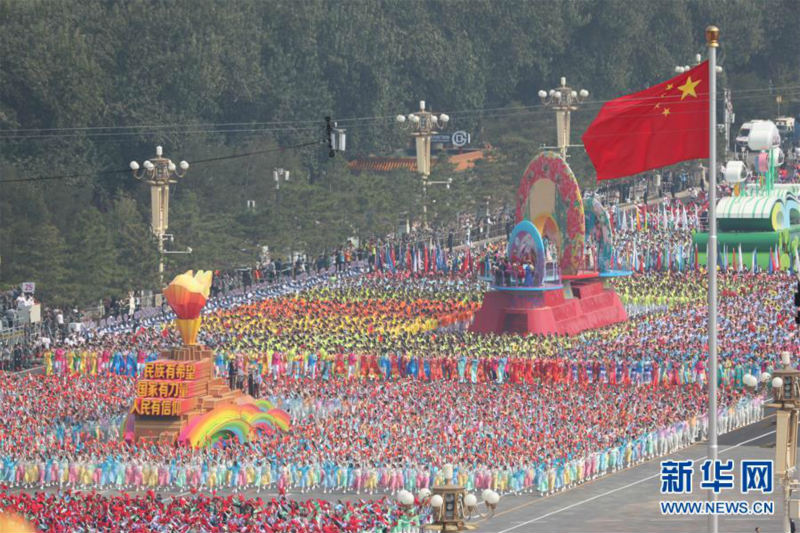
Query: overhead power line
x=127, y=170
x=353, y=123
x=309, y=124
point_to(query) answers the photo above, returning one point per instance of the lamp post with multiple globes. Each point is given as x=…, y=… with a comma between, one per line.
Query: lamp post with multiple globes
x=424, y=125
x=785, y=383
x=564, y=100
x=159, y=172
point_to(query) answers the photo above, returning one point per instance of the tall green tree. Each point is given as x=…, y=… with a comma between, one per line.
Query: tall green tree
x=93, y=260
x=137, y=247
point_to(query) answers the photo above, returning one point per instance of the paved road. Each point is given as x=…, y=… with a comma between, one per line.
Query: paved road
x=627, y=502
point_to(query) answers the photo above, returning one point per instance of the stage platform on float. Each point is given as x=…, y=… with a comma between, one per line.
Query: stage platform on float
x=615, y=274
x=581, y=302
x=523, y=289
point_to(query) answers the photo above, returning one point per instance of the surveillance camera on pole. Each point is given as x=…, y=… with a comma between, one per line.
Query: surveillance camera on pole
x=335, y=136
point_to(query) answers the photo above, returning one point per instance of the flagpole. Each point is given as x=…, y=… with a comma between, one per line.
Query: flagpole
x=712, y=36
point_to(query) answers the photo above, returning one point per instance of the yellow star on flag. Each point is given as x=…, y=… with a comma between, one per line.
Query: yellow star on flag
x=688, y=88
x=669, y=86
x=665, y=112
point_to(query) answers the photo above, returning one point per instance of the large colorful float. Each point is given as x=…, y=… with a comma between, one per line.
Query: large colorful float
x=759, y=222
x=179, y=400
x=560, y=258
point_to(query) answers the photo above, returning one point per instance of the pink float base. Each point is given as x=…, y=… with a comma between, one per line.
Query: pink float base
x=587, y=305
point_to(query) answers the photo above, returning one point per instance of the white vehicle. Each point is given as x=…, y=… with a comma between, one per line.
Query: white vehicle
x=743, y=136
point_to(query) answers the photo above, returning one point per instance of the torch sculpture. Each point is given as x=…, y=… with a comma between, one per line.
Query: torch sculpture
x=186, y=295
x=178, y=398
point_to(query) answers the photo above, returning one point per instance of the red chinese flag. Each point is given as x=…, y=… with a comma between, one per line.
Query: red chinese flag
x=659, y=126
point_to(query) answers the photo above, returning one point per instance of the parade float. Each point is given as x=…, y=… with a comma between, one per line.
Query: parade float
x=554, y=276
x=758, y=224
x=178, y=399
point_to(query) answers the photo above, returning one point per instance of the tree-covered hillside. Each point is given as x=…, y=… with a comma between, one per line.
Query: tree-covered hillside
x=88, y=85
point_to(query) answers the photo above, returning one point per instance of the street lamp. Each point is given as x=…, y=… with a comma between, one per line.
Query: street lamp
x=680, y=69
x=471, y=504
x=490, y=498
x=451, y=506
x=563, y=100
x=278, y=175
x=405, y=498
x=159, y=172
x=423, y=125
x=786, y=401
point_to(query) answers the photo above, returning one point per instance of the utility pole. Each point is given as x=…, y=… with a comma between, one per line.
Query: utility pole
x=563, y=100
x=159, y=172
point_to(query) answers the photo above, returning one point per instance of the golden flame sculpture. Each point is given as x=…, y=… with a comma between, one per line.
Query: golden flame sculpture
x=186, y=295
x=14, y=522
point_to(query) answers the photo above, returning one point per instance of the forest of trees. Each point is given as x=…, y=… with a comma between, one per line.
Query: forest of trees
x=88, y=85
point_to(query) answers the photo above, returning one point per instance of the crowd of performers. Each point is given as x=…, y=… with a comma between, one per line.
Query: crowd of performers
x=657, y=237
x=379, y=328
x=68, y=512
x=359, y=362
x=373, y=437
x=356, y=363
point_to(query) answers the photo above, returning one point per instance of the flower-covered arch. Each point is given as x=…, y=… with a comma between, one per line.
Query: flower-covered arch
x=547, y=194
x=598, y=226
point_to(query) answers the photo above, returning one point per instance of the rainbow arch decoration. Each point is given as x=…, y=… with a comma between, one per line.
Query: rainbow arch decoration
x=549, y=197
x=236, y=420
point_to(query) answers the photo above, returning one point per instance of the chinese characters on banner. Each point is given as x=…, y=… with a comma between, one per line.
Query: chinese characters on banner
x=161, y=389
x=169, y=370
x=167, y=389
x=158, y=407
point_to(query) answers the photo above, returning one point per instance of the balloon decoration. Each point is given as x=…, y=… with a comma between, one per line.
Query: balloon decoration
x=186, y=295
